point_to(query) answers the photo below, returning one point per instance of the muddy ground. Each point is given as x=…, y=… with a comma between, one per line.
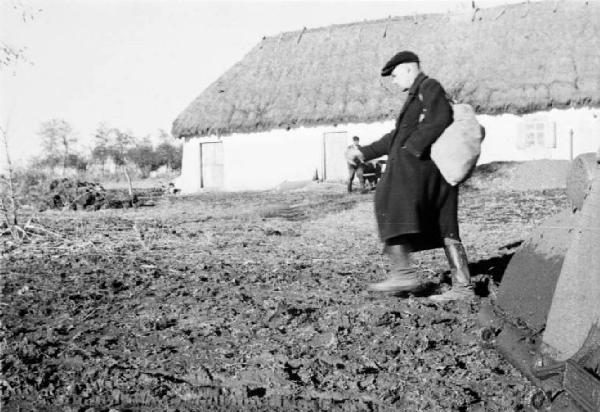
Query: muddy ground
x=251, y=301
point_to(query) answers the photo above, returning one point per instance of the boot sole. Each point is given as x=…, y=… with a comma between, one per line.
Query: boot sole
x=439, y=298
x=407, y=288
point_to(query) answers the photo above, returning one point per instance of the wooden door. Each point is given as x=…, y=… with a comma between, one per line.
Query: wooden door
x=211, y=165
x=334, y=159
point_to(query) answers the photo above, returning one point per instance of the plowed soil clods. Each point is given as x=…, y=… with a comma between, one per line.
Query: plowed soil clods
x=251, y=301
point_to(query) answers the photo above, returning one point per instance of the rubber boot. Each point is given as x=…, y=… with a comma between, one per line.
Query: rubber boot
x=461, y=277
x=403, y=278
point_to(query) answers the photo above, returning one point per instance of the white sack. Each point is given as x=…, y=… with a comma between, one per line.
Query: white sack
x=456, y=151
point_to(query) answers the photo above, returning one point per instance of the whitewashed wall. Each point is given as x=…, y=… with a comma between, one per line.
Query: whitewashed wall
x=257, y=161
x=264, y=160
x=190, y=180
x=502, y=134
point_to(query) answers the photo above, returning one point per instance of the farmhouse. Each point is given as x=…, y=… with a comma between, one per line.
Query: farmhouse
x=289, y=108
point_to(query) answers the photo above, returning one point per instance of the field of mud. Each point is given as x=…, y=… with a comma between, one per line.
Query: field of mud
x=251, y=301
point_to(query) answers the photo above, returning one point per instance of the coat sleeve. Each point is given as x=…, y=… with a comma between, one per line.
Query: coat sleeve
x=378, y=148
x=437, y=116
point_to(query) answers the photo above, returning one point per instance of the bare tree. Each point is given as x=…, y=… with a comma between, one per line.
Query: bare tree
x=9, y=203
x=10, y=214
x=101, y=150
x=123, y=142
x=57, y=141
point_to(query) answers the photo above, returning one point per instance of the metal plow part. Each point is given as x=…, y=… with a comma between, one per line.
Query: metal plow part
x=546, y=318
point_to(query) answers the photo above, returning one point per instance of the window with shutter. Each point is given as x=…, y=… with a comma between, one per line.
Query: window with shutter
x=536, y=133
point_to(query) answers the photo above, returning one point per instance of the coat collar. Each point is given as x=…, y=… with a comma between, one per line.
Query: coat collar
x=415, y=86
x=412, y=92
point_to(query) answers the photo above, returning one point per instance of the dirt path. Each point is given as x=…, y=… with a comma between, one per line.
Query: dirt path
x=215, y=301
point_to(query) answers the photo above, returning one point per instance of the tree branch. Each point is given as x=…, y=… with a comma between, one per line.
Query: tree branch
x=14, y=203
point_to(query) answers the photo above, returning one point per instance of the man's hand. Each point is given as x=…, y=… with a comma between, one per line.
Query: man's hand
x=353, y=155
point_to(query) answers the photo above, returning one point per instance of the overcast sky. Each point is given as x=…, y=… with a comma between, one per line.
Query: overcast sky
x=137, y=64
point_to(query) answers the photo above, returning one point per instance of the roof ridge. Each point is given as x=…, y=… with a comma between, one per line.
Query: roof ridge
x=410, y=17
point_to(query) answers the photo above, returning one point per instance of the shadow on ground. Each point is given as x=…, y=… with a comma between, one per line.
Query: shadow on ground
x=489, y=270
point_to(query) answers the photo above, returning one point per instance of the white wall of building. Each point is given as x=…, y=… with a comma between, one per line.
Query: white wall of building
x=504, y=131
x=257, y=161
x=264, y=160
x=190, y=180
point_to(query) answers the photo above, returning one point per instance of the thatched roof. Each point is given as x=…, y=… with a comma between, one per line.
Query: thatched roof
x=519, y=58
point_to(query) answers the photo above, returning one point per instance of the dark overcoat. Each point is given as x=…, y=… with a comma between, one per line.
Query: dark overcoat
x=413, y=202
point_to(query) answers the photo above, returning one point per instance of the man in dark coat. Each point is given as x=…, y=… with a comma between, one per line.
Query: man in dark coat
x=415, y=208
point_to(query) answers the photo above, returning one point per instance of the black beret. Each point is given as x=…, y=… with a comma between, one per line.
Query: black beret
x=402, y=57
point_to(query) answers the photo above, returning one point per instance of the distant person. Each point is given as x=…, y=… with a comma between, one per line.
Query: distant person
x=416, y=209
x=355, y=165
